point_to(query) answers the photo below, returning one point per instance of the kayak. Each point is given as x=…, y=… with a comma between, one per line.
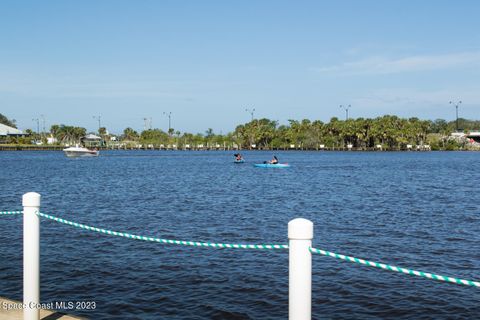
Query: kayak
x=270, y=165
x=238, y=161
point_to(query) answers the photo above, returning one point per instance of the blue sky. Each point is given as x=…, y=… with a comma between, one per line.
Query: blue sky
x=207, y=61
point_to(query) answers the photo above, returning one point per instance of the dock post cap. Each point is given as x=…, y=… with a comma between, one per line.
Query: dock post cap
x=300, y=229
x=31, y=199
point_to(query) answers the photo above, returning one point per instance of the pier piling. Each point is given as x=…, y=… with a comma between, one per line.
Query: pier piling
x=31, y=256
x=300, y=235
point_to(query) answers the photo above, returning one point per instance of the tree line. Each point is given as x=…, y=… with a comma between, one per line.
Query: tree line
x=389, y=131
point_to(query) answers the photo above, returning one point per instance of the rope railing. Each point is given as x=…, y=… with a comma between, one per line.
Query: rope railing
x=300, y=235
x=255, y=246
x=396, y=269
x=165, y=241
x=10, y=212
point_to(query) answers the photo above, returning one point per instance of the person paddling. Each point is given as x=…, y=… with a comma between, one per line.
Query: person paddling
x=273, y=161
x=238, y=157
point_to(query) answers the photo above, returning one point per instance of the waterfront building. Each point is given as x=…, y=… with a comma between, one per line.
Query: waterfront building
x=7, y=131
x=92, y=141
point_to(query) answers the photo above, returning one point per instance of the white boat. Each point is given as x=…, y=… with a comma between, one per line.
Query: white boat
x=77, y=151
x=474, y=136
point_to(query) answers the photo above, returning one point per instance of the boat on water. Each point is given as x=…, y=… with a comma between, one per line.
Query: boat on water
x=271, y=165
x=239, y=161
x=474, y=136
x=75, y=152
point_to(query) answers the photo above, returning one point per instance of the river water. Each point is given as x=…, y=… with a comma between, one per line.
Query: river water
x=416, y=210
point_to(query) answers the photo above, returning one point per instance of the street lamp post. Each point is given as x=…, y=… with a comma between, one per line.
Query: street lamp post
x=38, y=125
x=43, y=124
x=252, y=111
x=144, y=124
x=99, y=122
x=456, y=108
x=346, y=110
x=169, y=115
x=147, y=123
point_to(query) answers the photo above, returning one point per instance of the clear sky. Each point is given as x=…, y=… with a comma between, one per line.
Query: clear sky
x=207, y=61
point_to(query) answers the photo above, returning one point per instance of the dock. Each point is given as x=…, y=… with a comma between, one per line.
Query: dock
x=9, y=311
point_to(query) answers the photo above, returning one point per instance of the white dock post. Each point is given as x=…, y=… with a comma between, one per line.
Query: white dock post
x=300, y=235
x=31, y=256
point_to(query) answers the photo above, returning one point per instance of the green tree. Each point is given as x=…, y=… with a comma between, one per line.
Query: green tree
x=154, y=136
x=130, y=135
x=6, y=121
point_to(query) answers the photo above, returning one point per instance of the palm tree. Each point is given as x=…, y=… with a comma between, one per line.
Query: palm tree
x=130, y=134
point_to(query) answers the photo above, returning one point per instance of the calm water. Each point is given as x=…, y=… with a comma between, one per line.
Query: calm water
x=417, y=210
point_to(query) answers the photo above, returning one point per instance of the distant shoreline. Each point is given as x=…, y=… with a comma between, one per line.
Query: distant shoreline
x=60, y=148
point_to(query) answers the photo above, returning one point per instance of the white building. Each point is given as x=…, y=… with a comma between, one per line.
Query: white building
x=51, y=140
x=9, y=131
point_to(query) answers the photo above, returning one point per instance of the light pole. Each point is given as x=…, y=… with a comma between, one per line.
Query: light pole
x=346, y=110
x=99, y=122
x=169, y=115
x=252, y=111
x=43, y=123
x=456, y=108
x=38, y=125
x=147, y=123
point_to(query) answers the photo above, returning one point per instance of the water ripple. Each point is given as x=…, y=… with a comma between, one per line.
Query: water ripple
x=417, y=210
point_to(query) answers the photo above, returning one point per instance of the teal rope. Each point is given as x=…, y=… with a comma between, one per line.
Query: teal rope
x=397, y=269
x=257, y=246
x=10, y=212
x=165, y=241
